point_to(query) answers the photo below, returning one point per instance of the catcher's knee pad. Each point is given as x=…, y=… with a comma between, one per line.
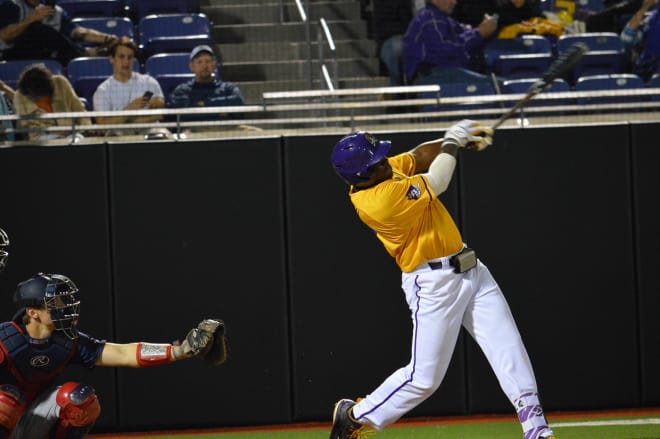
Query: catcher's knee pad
x=12, y=405
x=79, y=405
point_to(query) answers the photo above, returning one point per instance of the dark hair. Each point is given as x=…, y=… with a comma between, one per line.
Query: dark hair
x=123, y=41
x=36, y=81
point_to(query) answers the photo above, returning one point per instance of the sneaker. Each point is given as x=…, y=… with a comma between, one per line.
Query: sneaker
x=344, y=425
x=548, y=434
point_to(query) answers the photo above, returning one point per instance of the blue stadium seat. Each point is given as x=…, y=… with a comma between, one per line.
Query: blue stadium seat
x=529, y=65
x=521, y=86
x=138, y=9
x=522, y=44
x=605, y=55
x=654, y=82
x=86, y=73
x=92, y=8
x=169, y=69
x=11, y=70
x=463, y=89
x=173, y=33
x=619, y=82
x=120, y=26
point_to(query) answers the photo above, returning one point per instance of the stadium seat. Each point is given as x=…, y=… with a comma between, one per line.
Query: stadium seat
x=86, y=73
x=138, y=9
x=11, y=70
x=654, y=82
x=515, y=66
x=521, y=86
x=169, y=69
x=620, y=82
x=522, y=44
x=173, y=33
x=120, y=26
x=605, y=55
x=463, y=89
x=92, y=8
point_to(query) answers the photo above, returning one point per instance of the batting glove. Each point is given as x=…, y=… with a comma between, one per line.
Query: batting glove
x=470, y=135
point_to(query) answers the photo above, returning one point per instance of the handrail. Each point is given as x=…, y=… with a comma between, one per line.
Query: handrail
x=273, y=113
x=331, y=85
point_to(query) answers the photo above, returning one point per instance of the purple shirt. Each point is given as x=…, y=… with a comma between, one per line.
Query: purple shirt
x=436, y=39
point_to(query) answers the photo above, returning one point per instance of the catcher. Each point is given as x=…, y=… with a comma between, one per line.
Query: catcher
x=42, y=339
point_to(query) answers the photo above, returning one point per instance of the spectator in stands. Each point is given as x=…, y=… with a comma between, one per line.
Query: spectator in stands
x=126, y=89
x=39, y=92
x=517, y=17
x=437, y=49
x=6, y=99
x=641, y=36
x=7, y=90
x=393, y=18
x=205, y=89
x=30, y=29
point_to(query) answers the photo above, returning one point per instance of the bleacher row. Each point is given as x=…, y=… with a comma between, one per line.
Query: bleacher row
x=165, y=31
x=517, y=63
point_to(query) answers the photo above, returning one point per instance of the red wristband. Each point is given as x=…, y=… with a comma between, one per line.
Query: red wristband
x=152, y=354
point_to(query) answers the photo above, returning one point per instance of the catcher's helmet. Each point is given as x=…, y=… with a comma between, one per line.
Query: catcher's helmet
x=4, y=242
x=55, y=292
x=353, y=154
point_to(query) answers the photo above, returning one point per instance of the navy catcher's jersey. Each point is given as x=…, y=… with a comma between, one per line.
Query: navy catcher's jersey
x=32, y=364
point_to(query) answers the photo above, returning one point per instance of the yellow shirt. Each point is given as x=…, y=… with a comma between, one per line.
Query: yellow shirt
x=408, y=218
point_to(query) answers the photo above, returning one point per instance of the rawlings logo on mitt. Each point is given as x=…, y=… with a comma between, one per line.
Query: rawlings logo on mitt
x=207, y=341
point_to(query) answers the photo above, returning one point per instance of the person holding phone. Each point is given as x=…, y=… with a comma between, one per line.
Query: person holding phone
x=127, y=89
x=32, y=29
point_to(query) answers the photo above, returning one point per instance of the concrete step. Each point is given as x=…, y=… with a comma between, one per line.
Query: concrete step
x=297, y=69
x=252, y=91
x=278, y=51
x=240, y=13
x=268, y=32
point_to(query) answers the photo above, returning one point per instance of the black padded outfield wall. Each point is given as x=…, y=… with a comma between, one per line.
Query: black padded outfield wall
x=646, y=184
x=549, y=212
x=54, y=206
x=261, y=233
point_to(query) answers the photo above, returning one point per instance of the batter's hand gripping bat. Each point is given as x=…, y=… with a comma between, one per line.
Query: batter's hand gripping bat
x=561, y=65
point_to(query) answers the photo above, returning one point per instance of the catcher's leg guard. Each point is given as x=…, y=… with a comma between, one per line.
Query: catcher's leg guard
x=79, y=410
x=12, y=406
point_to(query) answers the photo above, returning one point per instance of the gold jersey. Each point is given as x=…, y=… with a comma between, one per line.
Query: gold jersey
x=408, y=218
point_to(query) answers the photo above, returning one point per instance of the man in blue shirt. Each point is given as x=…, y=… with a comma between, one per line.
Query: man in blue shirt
x=641, y=36
x=206, y=89
x=438, y=49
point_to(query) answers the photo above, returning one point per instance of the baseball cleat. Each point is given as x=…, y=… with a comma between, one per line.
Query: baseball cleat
x=344, y=425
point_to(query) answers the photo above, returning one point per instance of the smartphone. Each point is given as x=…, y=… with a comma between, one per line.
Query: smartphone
x=148, y=94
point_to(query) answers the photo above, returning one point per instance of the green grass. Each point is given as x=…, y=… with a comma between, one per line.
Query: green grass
x=490, y=430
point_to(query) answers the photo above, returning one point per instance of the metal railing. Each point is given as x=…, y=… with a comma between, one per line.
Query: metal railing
x=413, y=108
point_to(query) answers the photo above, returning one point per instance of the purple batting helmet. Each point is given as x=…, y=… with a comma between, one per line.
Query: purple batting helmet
x=355, y=153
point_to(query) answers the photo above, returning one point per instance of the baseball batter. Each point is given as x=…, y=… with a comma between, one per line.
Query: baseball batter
x=445, y=285
x=42, y=339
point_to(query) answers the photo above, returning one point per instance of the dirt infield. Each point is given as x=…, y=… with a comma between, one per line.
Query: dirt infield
x=406, y=422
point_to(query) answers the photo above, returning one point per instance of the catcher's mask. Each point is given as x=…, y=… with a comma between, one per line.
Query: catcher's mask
x=55, y=292
x=354, y=154
x=4, y=243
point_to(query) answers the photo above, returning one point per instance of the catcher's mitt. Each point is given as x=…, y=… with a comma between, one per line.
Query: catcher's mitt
x=208, y=342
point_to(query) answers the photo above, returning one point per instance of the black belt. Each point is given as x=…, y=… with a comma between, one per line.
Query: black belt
x=462, y=261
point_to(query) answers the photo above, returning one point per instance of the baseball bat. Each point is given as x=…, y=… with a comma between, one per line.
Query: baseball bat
x=561, y=65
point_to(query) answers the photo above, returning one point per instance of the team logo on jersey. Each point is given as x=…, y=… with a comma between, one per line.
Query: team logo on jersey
x=39, y=361
x=413, y=192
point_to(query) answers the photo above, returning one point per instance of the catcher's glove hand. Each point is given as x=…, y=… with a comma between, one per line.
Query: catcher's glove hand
x=207, y=341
